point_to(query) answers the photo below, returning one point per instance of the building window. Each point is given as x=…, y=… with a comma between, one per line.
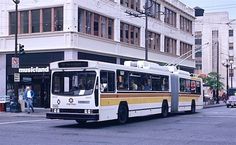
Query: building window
x=129, y=33
x=47, y=20
x=95, y=24
x=231, y=46
x=12, y=23
x=185, y=50
x=231, y=33
x=154, y=41
x=104, y=27
x=154, y=10
x=170, y=45
x=132, y=4
x=58, y=19
x=170, y=17
x=185, y=24
x=24, y=22
x=198, y=41
x=35, y=21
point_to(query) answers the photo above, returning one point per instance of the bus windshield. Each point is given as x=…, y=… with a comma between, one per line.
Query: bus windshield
x=74, y=83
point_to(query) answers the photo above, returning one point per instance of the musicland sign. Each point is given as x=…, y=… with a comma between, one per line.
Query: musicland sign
x=34, y=70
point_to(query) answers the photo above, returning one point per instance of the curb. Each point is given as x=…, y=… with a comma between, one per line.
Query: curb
x=212, y=106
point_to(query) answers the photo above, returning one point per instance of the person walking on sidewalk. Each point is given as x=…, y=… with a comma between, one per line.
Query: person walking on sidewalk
x=28, y=97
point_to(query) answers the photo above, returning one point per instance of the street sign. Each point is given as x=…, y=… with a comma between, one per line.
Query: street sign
x=15, y=62
x=16, y=77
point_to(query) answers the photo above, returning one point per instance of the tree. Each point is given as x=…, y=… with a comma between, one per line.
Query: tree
x=211, y=81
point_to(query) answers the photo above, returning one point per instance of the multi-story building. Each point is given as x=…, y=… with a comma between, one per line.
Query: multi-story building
x=90, y=29
x=214, y=41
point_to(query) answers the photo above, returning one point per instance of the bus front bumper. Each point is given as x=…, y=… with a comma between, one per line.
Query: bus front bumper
x=72, y=116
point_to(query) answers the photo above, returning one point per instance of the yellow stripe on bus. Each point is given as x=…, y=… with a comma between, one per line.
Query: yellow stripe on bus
x=115, y=99
x=132, y=100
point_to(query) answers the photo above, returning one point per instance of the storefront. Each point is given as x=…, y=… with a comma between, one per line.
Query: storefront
x=35, y=72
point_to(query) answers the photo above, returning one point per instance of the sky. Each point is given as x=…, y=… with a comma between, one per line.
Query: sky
x=214, y=6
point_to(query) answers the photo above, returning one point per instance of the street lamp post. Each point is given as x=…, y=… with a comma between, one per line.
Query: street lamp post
x=231, y=75
x=16, y=55
x=146, y=30
x=227, y=65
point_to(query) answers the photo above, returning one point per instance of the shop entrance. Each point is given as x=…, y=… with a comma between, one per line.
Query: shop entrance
x=40, y=84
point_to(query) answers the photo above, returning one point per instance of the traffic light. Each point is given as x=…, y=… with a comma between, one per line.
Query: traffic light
x=21, y=49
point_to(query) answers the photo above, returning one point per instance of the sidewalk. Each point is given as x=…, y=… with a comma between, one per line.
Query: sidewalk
x=205, y=105
x=38, y=112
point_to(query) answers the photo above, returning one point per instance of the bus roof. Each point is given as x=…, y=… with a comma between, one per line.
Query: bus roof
x=142, y=66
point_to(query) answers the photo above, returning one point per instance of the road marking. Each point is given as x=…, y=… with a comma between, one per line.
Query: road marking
x=23, y=121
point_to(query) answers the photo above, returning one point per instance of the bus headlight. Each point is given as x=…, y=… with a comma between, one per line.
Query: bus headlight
x=87, y=111
x=56, y=110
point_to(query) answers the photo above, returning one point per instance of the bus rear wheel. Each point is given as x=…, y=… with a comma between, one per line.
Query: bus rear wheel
x=123, y=113
x=164, y=109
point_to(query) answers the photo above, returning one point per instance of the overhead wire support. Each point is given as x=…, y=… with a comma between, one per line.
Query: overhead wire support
x=145, y=14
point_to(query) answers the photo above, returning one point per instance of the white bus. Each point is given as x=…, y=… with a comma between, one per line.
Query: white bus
x=85, y=91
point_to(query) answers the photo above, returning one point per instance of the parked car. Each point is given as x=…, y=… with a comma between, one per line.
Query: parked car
x=231, y=101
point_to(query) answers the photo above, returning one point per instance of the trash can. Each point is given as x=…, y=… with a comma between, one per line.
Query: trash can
x=3, y=100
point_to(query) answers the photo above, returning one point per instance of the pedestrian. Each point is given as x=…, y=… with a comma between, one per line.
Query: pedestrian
x=46, y=100
x=28, y=97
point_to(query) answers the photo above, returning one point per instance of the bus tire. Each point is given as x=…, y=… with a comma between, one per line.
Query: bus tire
x=193, y=107
x=164, y=109
x=123, y=113
x=81, y=122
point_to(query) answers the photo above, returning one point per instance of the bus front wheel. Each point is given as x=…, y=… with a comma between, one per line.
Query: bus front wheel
x=123, y=113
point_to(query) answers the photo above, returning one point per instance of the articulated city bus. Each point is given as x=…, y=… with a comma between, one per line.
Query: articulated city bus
x=85, y=90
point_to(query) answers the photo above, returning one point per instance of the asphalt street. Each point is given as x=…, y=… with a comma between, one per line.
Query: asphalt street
x=212, y=126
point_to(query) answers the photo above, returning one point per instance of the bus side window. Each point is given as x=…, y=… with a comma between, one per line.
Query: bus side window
x=122, y=80
x=107, y=81
x=198, y=87
x=182, y=85
x=187, y=87
x=193, y=87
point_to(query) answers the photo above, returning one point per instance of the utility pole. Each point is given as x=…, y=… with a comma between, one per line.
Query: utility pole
x=217, y=70
x=143, y=14
x=146, y=30
x=15, y=61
